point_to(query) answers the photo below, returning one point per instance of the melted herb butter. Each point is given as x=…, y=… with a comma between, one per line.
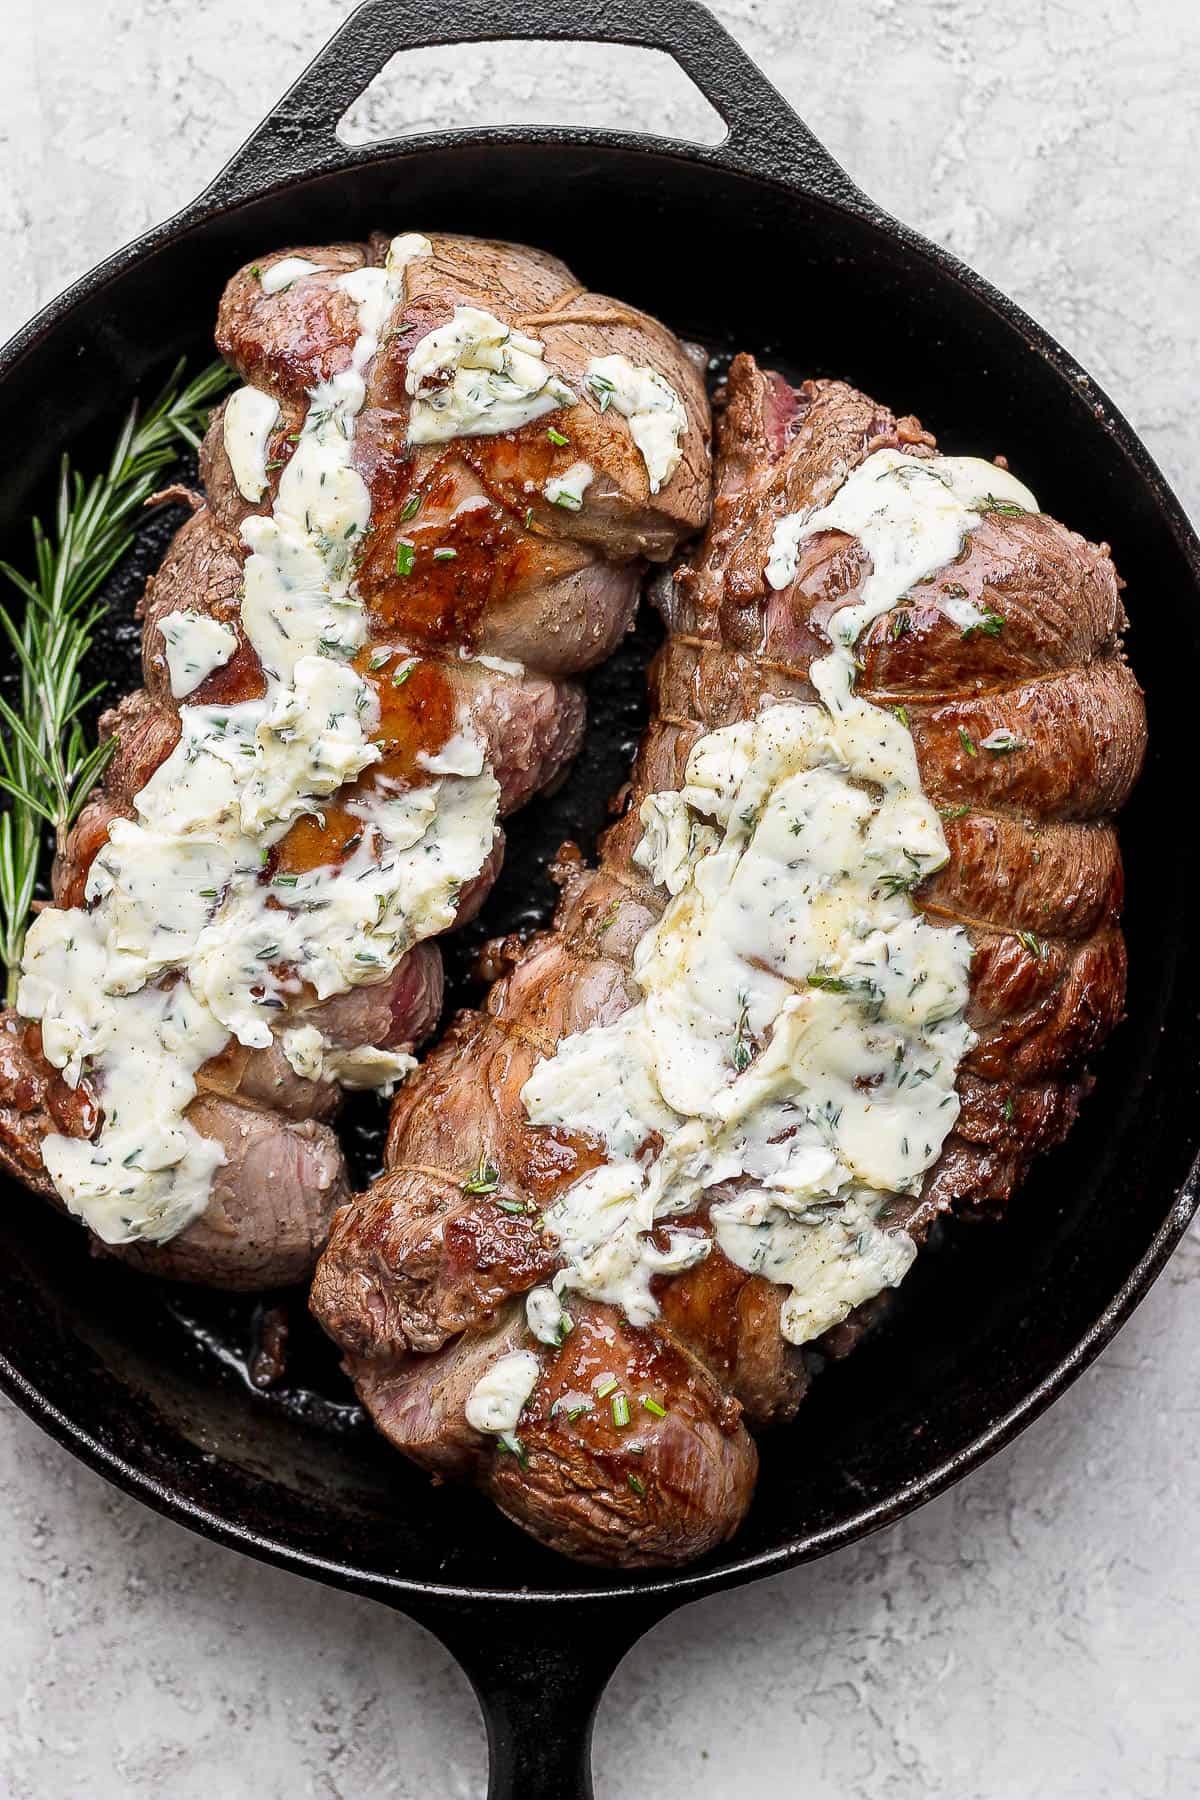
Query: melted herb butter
x=657, y=420
x=250, y=417
x=499, y=1397
x=568, y=490
x=909, y=513
x=477, y=377
x=194, y=647
x=314, y=1058
x=150, y=1167
x=180, y=891
x=348, y=925
x=283, y=273
x=545, y=1315
x=801, y=1024
x=309, y=741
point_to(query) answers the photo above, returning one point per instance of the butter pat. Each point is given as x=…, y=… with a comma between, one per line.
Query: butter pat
x=195, y=646
x=477, y=377
x=249, y=418
x=657, y=420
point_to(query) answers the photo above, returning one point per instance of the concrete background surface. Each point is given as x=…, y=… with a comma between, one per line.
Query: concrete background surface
x=1033, y=1634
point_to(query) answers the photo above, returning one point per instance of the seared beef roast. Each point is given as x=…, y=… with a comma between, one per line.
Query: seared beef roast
x=423, y=1279
x=522, y=594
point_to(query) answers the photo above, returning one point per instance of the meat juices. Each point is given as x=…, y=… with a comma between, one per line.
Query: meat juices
x=628, y=1444
x=487, y=573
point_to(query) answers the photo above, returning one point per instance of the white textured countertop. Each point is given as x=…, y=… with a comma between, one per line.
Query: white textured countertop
x=1033, y=1634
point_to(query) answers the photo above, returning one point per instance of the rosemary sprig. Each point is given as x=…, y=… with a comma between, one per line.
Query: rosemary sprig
x=47, y=766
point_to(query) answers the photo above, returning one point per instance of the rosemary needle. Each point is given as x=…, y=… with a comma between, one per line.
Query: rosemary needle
x=47, y=766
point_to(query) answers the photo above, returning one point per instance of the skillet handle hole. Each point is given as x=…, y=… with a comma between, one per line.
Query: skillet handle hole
x=617, y=87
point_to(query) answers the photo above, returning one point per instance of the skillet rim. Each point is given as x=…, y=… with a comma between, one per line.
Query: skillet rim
x=835, y=197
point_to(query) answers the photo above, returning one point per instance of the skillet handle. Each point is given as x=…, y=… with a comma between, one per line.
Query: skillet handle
x=539, y=1674
x=766, y=139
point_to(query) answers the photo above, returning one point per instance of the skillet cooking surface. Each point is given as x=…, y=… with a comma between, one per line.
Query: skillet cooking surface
x=970, y=1324
x=149, y=1383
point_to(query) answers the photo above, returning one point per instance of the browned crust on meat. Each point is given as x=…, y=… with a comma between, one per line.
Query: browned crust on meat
x=529, y=583
x=1035, y=877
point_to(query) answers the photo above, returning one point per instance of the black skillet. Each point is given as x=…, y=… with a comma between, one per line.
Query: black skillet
x=762, y=243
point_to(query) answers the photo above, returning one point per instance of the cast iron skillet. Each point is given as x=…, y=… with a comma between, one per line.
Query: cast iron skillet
x=761, y=243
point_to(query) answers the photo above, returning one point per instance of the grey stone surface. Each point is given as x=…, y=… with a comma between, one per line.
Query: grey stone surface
x=1030, y=1636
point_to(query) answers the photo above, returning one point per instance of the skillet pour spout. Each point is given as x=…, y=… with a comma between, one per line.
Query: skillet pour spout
x=145, y=1385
